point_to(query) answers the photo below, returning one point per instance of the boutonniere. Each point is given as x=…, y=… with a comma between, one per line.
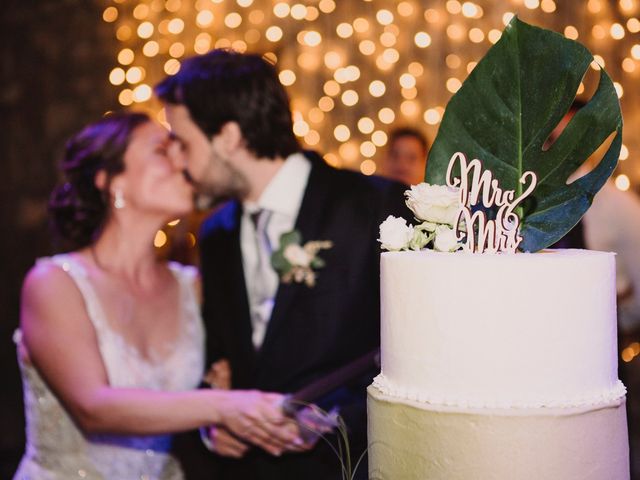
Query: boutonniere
x=297, y=263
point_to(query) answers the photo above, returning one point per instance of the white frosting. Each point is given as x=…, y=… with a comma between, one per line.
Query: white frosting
x=499, y=330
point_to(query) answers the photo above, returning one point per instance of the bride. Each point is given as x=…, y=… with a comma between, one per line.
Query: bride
x=111, y=344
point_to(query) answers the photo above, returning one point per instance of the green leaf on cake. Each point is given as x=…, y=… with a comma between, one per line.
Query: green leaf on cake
x=507, y=108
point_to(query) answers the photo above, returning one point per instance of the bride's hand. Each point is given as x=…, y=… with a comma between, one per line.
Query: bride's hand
x=257, y=417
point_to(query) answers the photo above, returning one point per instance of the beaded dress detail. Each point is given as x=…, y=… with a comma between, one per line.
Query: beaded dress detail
x=57, y=449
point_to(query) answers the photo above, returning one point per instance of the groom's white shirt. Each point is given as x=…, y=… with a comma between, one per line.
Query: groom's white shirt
x=282, y=198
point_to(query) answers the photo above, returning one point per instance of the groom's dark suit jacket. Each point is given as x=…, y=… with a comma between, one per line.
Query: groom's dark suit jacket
x=312, y=331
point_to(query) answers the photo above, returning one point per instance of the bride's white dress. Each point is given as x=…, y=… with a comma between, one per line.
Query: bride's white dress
x=57, y=449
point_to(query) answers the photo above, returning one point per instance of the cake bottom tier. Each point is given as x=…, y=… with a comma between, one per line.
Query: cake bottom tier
x=410, y=442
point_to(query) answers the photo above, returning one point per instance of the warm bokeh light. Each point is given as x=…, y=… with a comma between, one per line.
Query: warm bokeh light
x=366, y=125
x=355, y=73
x=431, y=116
x=274, y=33
x=233, y=20
x=368, y=167
x=176, y=26
x=377, y=88
x=126, y=56
x=422, y=39
x=110, y=14
x=287, y=77
x=160, y=239
x=386, y=115
x=622, y=182
x=142, y=93
x=342, y=133
x=349, y=98
x=135, y=74
x=571, y=32
x=126, y=97
x=453, y=84
x=379, y=138
x=624, y=152
x=172, y=66
x=117, y=76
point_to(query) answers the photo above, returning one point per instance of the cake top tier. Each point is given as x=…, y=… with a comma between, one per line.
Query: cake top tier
x=527, y=330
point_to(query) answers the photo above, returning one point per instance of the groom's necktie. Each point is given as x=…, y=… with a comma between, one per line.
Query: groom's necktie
x=262, y=281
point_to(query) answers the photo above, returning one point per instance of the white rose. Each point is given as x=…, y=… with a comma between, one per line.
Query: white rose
x=446, y=240
x=395, y=234
x=434, y=203
x=296, y=255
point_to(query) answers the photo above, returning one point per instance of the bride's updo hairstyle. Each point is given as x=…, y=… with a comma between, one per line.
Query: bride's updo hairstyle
x=77, y=207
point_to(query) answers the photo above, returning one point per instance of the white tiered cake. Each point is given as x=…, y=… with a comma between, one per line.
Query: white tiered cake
x=498, y=366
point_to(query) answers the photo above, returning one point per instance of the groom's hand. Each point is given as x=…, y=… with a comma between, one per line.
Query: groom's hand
x=225, y=444
x=219, y=375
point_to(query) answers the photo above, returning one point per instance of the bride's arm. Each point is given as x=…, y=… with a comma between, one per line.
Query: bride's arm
x=61, y=342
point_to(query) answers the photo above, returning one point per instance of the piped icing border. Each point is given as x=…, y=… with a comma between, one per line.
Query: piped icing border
x=616, y=393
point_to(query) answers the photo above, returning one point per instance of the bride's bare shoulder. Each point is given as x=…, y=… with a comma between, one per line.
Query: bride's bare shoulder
x=49, y=283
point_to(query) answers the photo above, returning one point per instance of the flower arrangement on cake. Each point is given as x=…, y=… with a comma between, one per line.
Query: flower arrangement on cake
x=490, y=184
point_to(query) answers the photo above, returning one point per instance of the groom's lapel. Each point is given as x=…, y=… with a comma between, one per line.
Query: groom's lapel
x=309, y=223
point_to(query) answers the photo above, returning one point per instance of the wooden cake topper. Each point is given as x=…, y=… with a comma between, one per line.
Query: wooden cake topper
x=478, y=186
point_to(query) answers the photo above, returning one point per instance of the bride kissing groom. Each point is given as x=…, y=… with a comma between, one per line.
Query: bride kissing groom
x=278, y=329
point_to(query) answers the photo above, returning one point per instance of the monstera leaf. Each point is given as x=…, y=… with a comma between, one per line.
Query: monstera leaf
x=506, y=109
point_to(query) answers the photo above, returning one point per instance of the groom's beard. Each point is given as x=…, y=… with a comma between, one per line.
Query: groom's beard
x=220, y=181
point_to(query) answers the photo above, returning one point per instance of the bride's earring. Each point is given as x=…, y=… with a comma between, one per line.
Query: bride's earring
x=118, y=201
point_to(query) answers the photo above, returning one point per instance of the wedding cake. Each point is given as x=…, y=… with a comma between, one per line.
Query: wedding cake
x=499, y=355
x=498, y=366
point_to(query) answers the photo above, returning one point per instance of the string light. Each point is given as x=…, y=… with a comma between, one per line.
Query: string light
x=571, y=32
x=117, y=76
x=342, y=133
x=350, y=98
x=422, y=39
x=431, y=116
x=622, y=182
x=135, y=75
x=160, y=239
x=176, y=26
x=287, y=77
x=123, y=33
x=126, y=56
x=142, y=93
x=356, y=68
x=368, y=149
x=110, y=14
x=624, y=153
x=617, y=31
x=365, y=125
x=204, y=18
x=274, y=33
x=368, y=167
x=151, y=48
x=377, y=88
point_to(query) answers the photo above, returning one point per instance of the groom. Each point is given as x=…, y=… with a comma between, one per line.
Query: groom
x=232, y=116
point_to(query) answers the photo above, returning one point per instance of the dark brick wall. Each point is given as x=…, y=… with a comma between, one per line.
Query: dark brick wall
x=55, y=56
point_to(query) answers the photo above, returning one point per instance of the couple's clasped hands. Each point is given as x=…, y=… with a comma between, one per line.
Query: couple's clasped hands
x=256, y=418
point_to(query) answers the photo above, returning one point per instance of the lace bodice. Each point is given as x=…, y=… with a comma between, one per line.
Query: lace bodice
x=57, y=449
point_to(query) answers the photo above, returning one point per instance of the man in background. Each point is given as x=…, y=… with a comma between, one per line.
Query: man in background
x=405, y=159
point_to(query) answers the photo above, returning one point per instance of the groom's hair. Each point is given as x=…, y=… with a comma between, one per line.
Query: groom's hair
x=226, y=86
